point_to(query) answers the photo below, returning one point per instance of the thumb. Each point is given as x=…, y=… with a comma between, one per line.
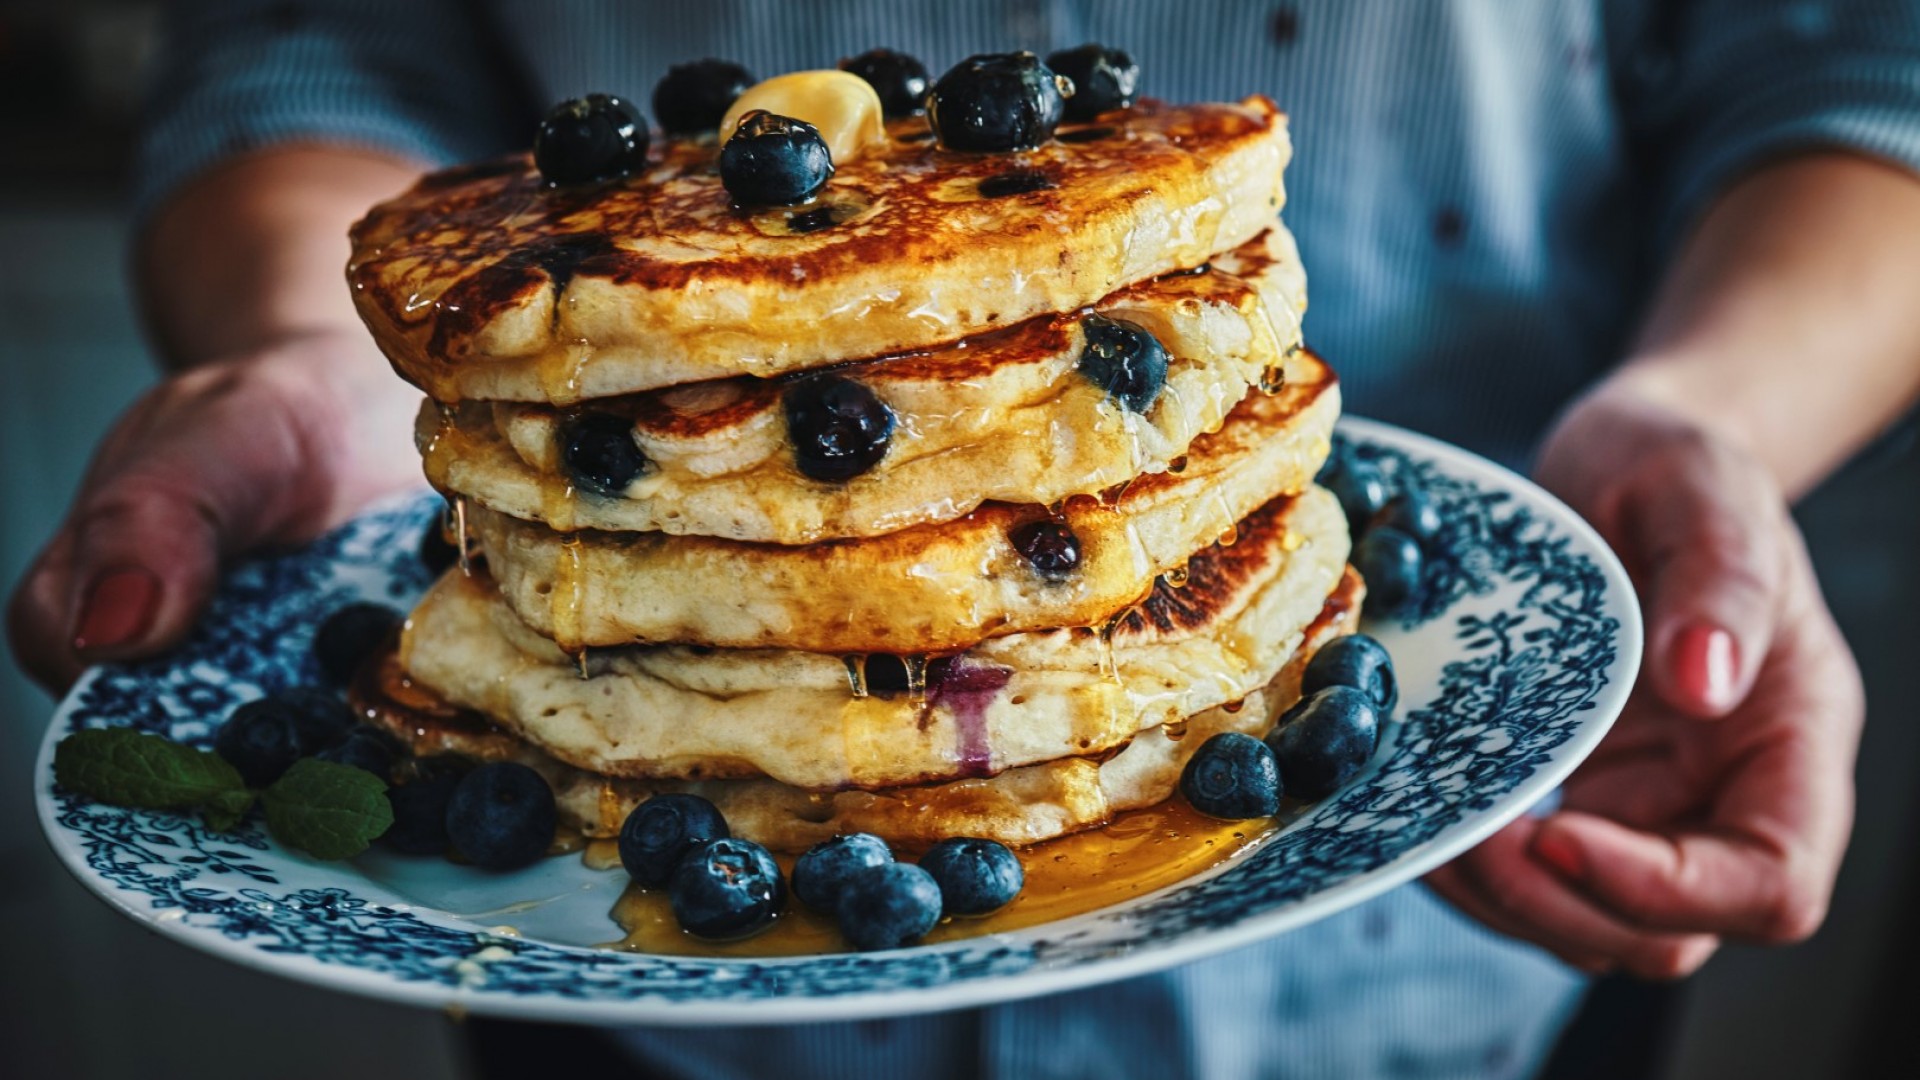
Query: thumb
x=1708, y=528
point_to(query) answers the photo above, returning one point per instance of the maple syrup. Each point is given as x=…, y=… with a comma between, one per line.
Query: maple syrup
x=1138, y=852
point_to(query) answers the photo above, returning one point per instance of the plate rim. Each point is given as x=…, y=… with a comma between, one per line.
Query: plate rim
x=987, y=989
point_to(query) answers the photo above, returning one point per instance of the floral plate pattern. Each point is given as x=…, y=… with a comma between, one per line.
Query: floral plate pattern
x=1517, y=661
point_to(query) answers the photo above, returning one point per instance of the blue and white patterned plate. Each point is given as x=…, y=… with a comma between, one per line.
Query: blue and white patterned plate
x=1516, y=665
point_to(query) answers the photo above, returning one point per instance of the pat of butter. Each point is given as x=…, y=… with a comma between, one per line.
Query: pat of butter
x=841, y=105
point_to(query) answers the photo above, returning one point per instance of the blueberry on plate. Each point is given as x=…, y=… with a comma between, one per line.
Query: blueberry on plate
x=822, y=871
x=1412, y=513
x=350, y=635
x=976, y=877
x=1048, y=546
x=996, y=102
x=1232, y=776
x=692, y=99
x=888, y=906
x=322, y=717
x=368, y=749
x=726, y=889
x=899, y=80
x=501, y=816
x=598, y=452
x=1103, y=79
x=660, y=832
x=1125, y=360
x=772, y=160
x=420, y=806
x=1355, y=660
x=1392, y=564
x=839, y=427
x=1322, y=742
x=262, y=739
x=1361, y=488
x=582, y=140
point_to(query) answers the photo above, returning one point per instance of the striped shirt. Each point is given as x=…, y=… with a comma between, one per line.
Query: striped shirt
x=1483, y=190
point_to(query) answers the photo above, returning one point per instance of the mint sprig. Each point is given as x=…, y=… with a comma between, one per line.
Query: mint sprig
x=133, y=768
x=328, y=810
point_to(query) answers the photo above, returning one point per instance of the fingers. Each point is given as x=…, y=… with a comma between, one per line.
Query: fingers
x=1706, y=526
x=35, y=615
x=1506, y=885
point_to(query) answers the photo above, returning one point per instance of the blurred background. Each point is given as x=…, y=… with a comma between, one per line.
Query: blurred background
x=86, y=994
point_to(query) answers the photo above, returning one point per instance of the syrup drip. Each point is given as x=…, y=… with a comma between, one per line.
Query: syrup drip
x=567, y=599
x=1104, y=634
x=856, y=674
x=916, y=665
x=1175, y=729
x=1176, y=577
x=1274, y=378
x=460, y=534
x=1230, y=537
x=1234, y=706
x=1177, y=465
x=1138, y=852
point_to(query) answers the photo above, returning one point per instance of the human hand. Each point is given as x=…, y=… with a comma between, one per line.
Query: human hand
x=271, y=447
x=1719, y=805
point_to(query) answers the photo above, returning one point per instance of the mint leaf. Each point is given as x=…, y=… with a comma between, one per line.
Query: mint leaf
x=224, y=811
x=328, y=810
x=124, y=767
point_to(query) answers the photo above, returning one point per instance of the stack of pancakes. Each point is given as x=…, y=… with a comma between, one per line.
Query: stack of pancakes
x=879, y=653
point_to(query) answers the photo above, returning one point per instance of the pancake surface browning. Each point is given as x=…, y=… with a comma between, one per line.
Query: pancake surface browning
x=484, y=283
x=1006, y=416
x=929, y=588
x=1023, y=805
x=693, y=712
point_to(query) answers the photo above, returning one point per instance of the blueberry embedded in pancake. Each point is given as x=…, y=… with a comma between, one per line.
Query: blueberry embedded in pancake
x=678, y=286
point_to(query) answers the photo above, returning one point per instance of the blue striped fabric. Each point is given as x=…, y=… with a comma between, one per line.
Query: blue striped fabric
x=1483, y=190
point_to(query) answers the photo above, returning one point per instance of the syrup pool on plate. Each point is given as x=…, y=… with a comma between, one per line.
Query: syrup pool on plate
x=1137, y=853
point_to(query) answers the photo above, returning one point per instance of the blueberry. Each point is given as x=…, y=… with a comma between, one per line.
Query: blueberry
x=1125, y=360
x=726, y=889
x=1103, y=79
x=1361, y=489
x=1412, y=513
x=437, y=553
x=1323, y=741
x=597, y=137
x=351, y=635
x=839, y=428
x=899, y=80
x=501, y=816
x=1357, y=661
x=976, y=877
x=888, y=906
x=1232, y=776
x=366, y=749
x=262, y=739
x=322, y=717
x=821, y=873
x=1048, y=546
x=996, y=102
x=599, y=453
x=692, y=99
x=660, y=832
x=1391, y=563
x=420, y=806
x=774, y=160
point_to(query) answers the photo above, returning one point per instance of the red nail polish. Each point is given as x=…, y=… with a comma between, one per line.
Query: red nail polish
x=1560, y=853
x=119, y=608
x=1706, y=660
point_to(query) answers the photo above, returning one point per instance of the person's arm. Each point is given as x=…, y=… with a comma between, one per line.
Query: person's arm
x=1784, y=337
x=281, y=420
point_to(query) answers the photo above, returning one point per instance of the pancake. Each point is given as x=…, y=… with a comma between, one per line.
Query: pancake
x=1007, y=416
x=930, y=588
x=1020, y=806
x=691, y=712
x=484, y=283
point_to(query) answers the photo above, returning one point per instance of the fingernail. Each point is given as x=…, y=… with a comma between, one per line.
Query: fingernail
x=1706, y=661
x=1560, y=853
x=119, y=608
